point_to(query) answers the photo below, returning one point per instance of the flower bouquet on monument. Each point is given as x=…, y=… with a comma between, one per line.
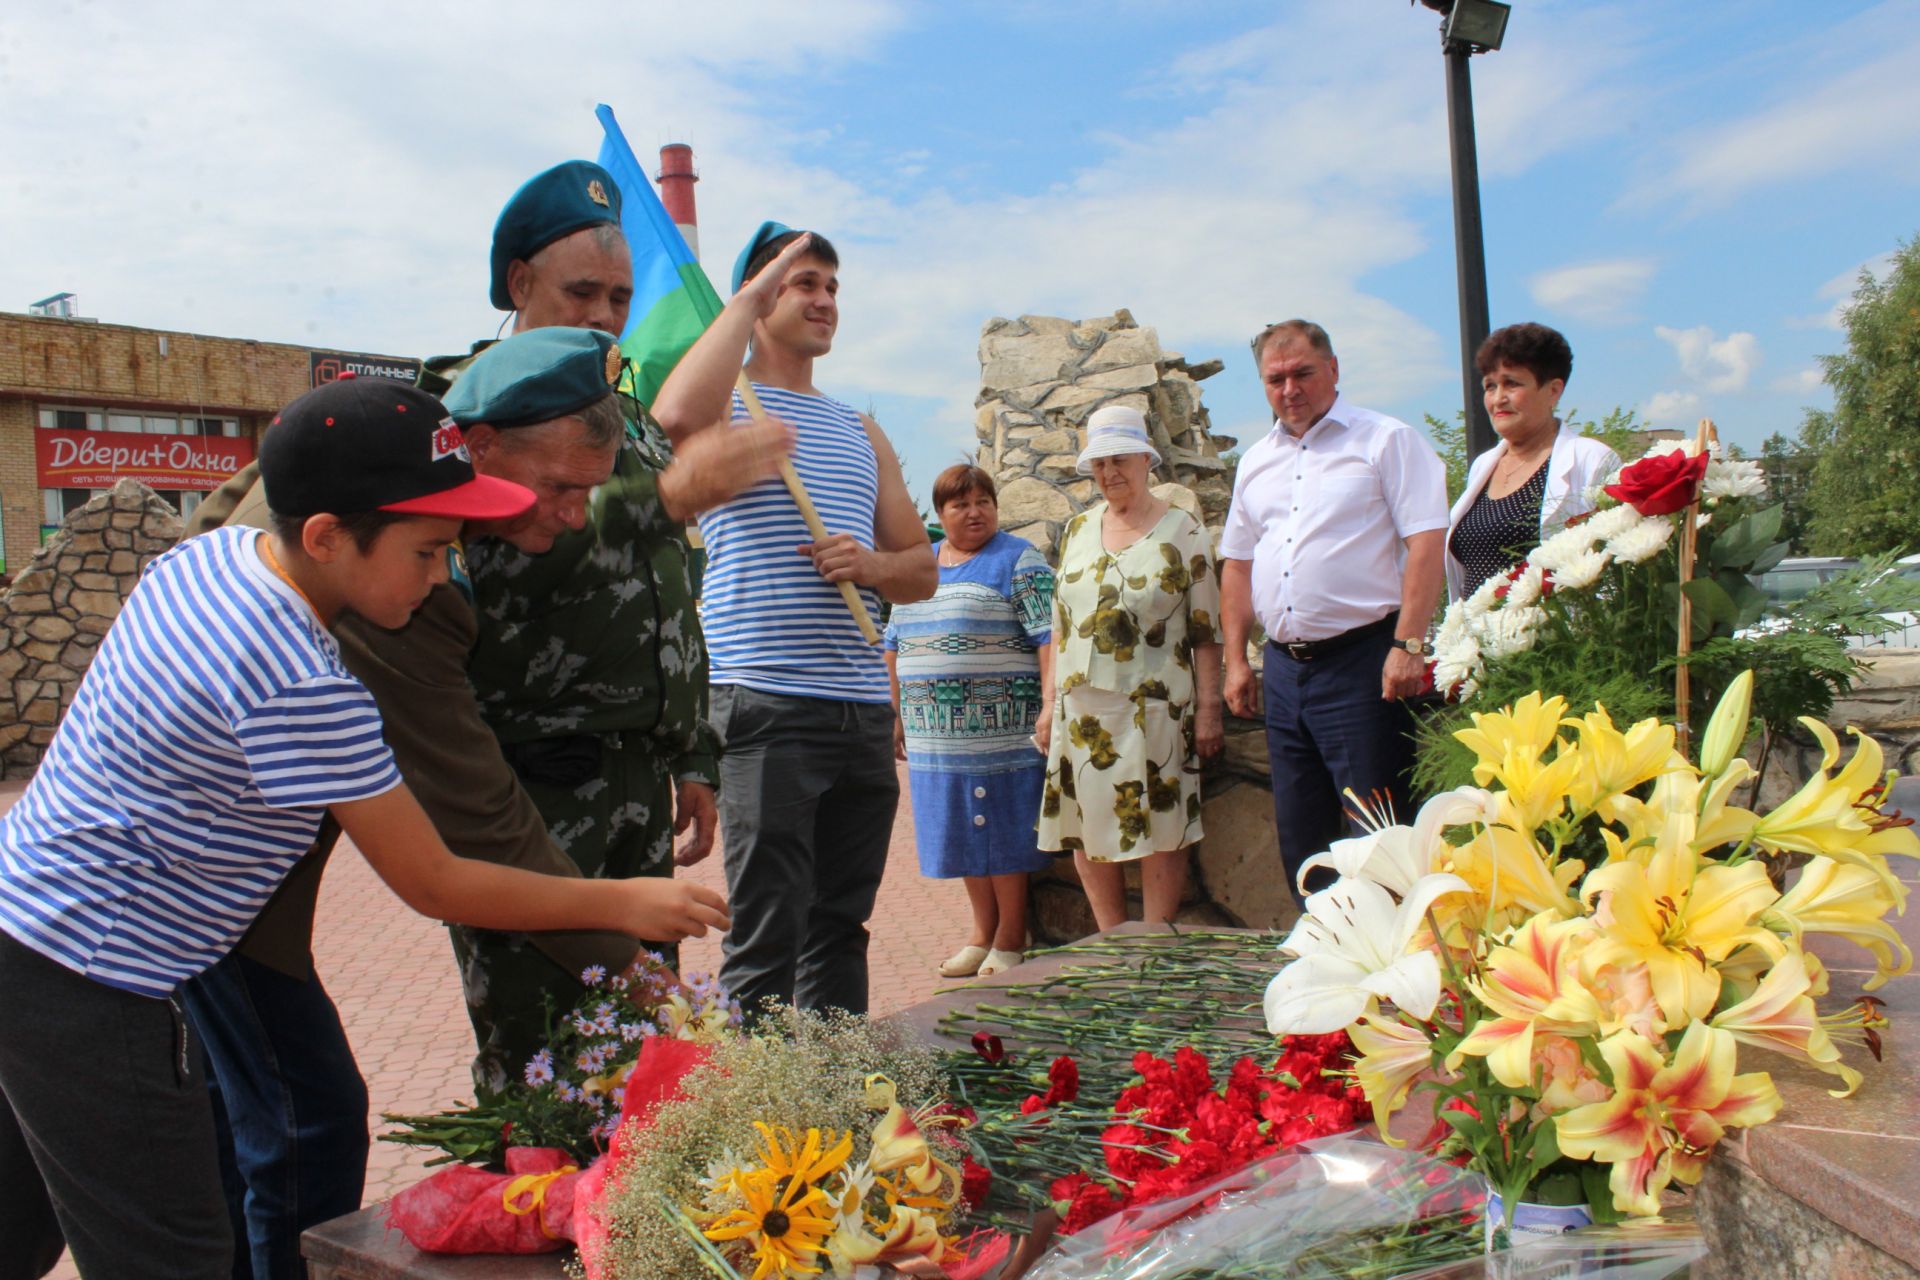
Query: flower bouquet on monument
x=1646, y=606
x=1588, y=957
x=518, y=1153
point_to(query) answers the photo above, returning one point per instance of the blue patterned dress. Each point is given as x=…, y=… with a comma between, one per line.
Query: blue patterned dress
x=969, y=667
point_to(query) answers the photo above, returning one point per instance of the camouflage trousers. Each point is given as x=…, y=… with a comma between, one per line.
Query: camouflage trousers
x=615, y=825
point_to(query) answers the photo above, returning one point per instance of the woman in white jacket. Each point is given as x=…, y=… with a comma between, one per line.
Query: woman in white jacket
x=1540, y=475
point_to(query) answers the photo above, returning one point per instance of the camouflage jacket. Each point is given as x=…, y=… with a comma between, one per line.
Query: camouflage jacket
x=600, y=634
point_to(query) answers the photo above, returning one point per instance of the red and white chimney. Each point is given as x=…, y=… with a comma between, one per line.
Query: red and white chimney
x=676, y=179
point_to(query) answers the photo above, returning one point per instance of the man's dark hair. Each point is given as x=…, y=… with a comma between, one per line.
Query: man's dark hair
x=364, y=527
x=1315, y=336
x=1539, y=350
x=820, y=248
x=960, y=480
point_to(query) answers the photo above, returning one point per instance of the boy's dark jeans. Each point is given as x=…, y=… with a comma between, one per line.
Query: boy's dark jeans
x=106, y=1136
x=291, y=1107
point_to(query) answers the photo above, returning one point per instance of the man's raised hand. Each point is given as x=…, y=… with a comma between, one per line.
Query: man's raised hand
x=760, y=292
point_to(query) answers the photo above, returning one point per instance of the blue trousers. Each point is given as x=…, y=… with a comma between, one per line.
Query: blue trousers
x=1328, y=730
x=289, y=1104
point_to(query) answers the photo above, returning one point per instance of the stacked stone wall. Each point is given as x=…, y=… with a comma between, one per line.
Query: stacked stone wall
x=54, y=615
x=1042, y=376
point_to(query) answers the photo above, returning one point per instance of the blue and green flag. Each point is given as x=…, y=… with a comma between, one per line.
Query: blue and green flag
x=673, y=301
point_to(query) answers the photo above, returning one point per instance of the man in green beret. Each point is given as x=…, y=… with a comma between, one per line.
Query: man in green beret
x=583, y=620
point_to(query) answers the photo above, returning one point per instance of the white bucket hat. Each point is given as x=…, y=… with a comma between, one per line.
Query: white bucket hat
x=1114, y=431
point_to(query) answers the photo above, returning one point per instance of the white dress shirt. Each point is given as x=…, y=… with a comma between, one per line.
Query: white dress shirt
x=1324, y=516
x=1576, y=470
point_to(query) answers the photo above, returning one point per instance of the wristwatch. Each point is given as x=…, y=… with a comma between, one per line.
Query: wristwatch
x=1416, y=646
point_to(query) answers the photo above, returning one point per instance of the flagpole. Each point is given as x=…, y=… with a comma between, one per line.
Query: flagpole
x=808, y=512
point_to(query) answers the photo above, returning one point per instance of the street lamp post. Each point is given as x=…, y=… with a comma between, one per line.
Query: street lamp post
x=1469, y=27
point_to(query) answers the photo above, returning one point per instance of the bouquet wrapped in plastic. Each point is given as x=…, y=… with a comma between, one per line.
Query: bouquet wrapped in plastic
x=466, y=1209
x=1342, y=1208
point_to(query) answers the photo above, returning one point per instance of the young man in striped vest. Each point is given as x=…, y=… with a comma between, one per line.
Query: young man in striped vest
x=808, y=788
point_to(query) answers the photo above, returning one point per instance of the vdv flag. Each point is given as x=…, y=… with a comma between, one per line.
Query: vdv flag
x=673, y=301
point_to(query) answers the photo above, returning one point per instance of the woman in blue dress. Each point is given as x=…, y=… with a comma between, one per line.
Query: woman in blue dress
x=972, y=693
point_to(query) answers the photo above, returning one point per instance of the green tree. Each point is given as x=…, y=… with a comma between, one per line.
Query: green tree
x=1862, y=497
x=1789, y=469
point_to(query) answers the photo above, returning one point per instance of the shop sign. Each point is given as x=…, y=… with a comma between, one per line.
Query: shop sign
x=96, y=459
x=326, y=366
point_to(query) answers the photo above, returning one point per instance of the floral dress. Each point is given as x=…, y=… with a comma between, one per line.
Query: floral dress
x=1123, y=778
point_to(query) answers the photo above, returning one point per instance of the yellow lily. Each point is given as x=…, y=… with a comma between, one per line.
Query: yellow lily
x=1534, y=791
x=1527, y=729
x=908, y=1233
x=1530, y=984
x=1848, y=900
x=1779, y=1015
x=1612, y=762
x=1727, y=729
x=1836, y=815
x=1393, y=1055
x=1663, y=1120
x=1679, y=919
x=1509, y=874
x=1625, y=993
x=1566, y=1081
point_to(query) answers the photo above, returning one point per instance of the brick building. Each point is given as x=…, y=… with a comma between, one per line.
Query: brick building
x=84, y=404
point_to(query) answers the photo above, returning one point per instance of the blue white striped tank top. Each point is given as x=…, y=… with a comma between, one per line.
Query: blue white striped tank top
x=771, y=622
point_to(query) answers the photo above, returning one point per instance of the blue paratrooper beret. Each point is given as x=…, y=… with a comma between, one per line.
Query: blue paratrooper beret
x=566, y=198
x=535, y=377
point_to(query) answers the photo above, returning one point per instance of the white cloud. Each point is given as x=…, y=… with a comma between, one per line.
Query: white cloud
x=1799, y=382
x=1600, y=291
x=1838, y=294
x=1865, y=118
x=1718, y=364
x=1678, y=409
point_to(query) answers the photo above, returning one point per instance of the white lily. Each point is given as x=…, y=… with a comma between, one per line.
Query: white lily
x=1355, y=945
x=1398, y=857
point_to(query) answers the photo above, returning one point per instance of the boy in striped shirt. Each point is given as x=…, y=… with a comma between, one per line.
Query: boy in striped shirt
x=214, y=729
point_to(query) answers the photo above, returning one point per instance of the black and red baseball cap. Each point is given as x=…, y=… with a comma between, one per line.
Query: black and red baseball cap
x=374, y=444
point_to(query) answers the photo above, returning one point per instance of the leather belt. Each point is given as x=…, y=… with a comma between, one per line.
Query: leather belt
x=1308, y=650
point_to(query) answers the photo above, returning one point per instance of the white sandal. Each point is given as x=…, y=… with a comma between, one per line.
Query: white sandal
x=965, y=962
x=999, y=962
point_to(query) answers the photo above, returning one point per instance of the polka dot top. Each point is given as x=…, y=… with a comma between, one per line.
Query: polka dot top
x=1494, y=534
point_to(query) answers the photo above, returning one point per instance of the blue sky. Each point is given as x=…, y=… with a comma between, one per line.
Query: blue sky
x=1686, y=190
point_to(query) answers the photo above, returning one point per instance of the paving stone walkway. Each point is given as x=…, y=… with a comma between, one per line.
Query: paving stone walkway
x=391, y=973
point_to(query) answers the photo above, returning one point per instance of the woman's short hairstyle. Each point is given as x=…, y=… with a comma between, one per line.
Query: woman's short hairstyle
x=1541, y=351
x=959, y=480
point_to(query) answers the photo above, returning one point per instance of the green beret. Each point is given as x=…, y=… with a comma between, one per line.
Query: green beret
x=535, y=377
x=559, y=202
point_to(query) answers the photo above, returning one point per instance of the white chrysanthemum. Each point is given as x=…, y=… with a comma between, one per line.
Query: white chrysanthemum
x=1510, y=631
x=1610, y=522
x=1642, y=542
x=1456, y=663
x=1660, y=448
x=1562, y=547
x=1483, y=598
x=1525, y=590
x=1735, y=478
x=1582, y=571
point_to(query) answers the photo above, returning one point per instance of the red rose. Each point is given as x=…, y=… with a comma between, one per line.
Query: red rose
x=1660, y=484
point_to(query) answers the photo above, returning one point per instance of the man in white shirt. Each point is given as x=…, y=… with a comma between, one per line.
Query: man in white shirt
x=1335, y=543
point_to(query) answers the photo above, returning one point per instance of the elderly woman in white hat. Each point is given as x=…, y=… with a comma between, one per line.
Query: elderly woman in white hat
x=1137, y=668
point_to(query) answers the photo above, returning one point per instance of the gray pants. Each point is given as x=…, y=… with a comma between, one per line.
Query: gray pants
x=106, y=1131
x=807, y=798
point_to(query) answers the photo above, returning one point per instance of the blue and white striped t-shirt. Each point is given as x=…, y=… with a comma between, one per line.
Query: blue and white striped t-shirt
x=213, y=728
x=772, y=623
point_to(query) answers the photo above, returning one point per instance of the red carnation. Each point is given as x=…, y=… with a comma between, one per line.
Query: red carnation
x=1660, y=484
x=1063, y=1081
x=975, y=1181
